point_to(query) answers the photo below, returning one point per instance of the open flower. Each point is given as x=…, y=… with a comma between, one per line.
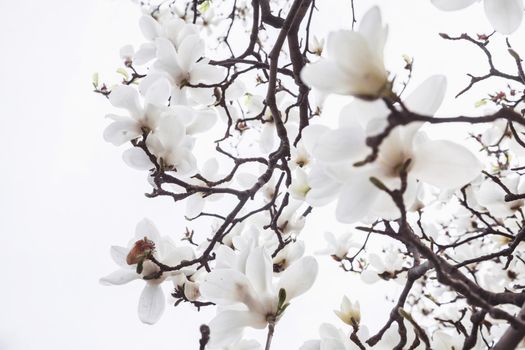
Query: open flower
x=140, y=118
x=505, y=16
x=181, y=69
x=354, y=63
x=406, y=147
x=134, y=264
x=251, y=299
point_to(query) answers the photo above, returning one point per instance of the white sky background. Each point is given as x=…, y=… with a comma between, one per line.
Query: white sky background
x=66, y=196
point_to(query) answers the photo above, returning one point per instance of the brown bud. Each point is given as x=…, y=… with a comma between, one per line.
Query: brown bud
x=141, y=250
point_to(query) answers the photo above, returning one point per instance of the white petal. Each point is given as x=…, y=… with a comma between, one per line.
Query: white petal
x=136, y=158
x=146, y=228
x=452, y=5
x=299, y=277
x=144, y=54
x=151, y=303
x=504, y=15
x=150, y=27
x=356, y=199
x=326, y=76
x=190, y=50
x=202, y=72
x=118, y=254
x=444, y=164
x=171, y=130
x=158, y=93
x=259, y=270
x=227, y=286
x=119, y=277
x=121, y=131
x=363, y=112
x=194, y=205
x=125, y=96
x=428, y=96
x=345, y=144
x=204, y=121
x=311, y=345
x=227, y=326
x=369, y=276
x=371, y=27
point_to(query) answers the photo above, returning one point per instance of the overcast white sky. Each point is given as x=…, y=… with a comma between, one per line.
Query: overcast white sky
x=66, y=196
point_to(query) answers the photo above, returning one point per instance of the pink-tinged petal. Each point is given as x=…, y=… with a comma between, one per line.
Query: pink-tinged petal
x=432, y=159
x=204, y=121
x=146, y=228
x=121, y=130
x=136, y=158
x=326, y=76
x=428, y=96
x=228, y=325
x=504, y=15
x=259, y=270
x=150, y=28
x=151, y=303
x=298, y=277
x=452, y=5
x=119, y=277
x=189, y=51
x=125, y=96
x=158, y=93
x=118, y=254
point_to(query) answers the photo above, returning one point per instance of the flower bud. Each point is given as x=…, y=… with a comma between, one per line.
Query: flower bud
x=349, y=312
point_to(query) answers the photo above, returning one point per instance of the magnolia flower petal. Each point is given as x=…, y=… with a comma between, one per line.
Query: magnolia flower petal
x=326, y=76
x=432, y=159
x=452, y=5
x=127, y=97
x=355, y=200
x=311, y=345
x=363, y=112
x=158, y=93
x=259, y=270
x=202, y=72
x=151, y=303
x=118, y=254
x=505, y=16
x=189, y=51
x=119, y=277
x=146, y=228
x=144, y=54
x=167, y=57
x=428, y=96
x=372, y=29
x=204, y=121
x=121, y=131
x=298, y=277
x=149, y=27
x=227, y=286
x=171, y=131
x=227, y=326
x=136, y=158
x=194, y=205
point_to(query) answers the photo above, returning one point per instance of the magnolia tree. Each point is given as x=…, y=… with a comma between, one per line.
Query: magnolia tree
x=222, y=107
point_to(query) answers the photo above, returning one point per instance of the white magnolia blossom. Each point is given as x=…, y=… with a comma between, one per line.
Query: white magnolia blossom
x=354, y=61
x=152, y=300
x=338, y=246
x=492, y=196
x=350, y=312
x=505, y=16
x=175, y=30
x=388, y=265
x=336, y=152
x=183, y=67
x=140, y=118
x=251, y=299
